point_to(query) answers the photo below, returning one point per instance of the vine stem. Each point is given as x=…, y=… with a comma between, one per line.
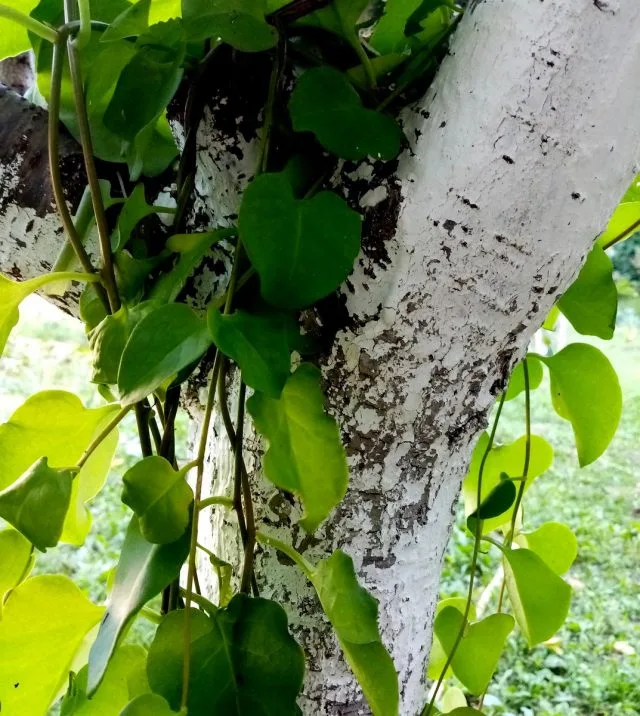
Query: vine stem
x=622, y=235
x=240, y=476
x=215, y=500
x=86, y=142
x=113, y=423
x=474, y=559
x=29, y=23
x=305, y=567
x=54, y=164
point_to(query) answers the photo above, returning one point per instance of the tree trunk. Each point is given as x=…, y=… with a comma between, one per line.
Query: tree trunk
x=518, y=154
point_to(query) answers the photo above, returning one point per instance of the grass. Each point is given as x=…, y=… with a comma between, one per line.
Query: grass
x=583, y=671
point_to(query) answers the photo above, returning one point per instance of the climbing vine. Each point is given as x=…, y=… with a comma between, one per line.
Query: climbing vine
x=339, y=72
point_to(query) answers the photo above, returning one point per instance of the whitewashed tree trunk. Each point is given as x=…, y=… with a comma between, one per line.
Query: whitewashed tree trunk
x=518, y=154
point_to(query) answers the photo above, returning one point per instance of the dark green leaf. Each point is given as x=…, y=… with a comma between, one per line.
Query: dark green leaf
x=591, y=302
x=144, y=570
x=148, y=705
x=36, y=503
x=479, y=650
x=516, y=380
x=496, y=503
x=161, y=498
x=258, y=343
x=339, y=17
x=325, y=103
x=353, y=613
x=407, y=17
x=243, y=660
x=539, y=597
x=240, y=23
x=585, y=390
x=148, y=82
x=302, y=249
x=92, y=310
x=129, y=23
x=108, y=339
x=164, y=341
x=305, y=454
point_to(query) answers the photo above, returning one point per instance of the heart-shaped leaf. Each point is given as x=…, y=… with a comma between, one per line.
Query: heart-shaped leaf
x=243, y=660
x=539, y=597
x=305, y=454
x=585, y=391
x=302, y=249
x=496, y=503
x=258, y=343
x=325, y=103
x=240, y=23
x=591, y=302
x=144, y=570
x=437, y=655
x=54, y=423
x=353, y=613
x=478, y=653
x=135, y=209
x=44, y=622
x=164, y=342
x=36, y=503
x=502, y=459
x=129, y=23
x=554, y=543
x=16, y=561
x=339, y=17
x=108, y=339
x=148, y=82
x=160, y=496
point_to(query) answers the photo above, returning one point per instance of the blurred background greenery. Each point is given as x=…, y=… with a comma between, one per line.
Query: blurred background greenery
x=590, y=668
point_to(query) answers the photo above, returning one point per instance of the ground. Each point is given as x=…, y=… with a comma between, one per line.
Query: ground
x=591, y=668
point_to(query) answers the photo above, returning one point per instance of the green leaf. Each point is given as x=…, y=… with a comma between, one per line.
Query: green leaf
x=108, y=339
x=353, y=613
x=539, y=597
x=258, y=343
x=437, y=655
x=164, y=342
x=16, y=561
x=507, y=459
x=496, y=503
x=453, y=698
x=591, y=302
x=55, y=424
x=144, y=570
x=585, y=391
x=125, y=679
x=339, y=17
x=305, y=454
x=392, y=30
x=554, y=543
x=36, y=503
x=135, y=209
x=14, y=38
x=240, y=23
x=129, y=23
x=148, y=705
x=148, y=82
x=243, y=660
x=516, y=380
x=160, y=496
x=625, y=219
x=302, y=249
x=325, y=103
x=44, y=622
x=479, y=651
x=192, y=249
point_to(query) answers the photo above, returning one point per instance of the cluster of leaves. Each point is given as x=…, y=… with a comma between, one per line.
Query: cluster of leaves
x=293, y=246
x=586, y=392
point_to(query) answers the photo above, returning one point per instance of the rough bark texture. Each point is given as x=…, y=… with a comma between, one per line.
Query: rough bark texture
x=518, y=154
